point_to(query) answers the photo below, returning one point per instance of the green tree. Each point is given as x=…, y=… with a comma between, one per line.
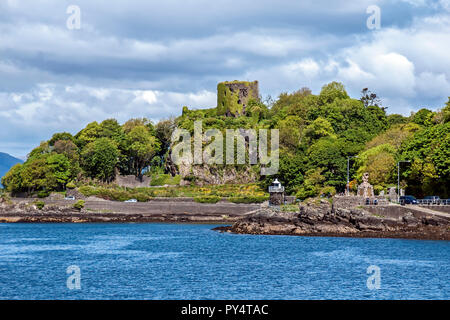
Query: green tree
x=62, y=136
x=12, y=180
x=379, y=161
x=422, y=117
x=59, y=167
x=429, y=173
x=137, y=122
x=446, y=111
x=312, y=185
x=394, y=136
x=88, y=134
x=287, y=101
x=330, y=155
x=394, y=119
x=256, y=109
x=163, y=132
x=111, y=129
x=36, y=175
x=71, y=151
x=142, y=147
x=319, y=128
x=332, y=91
x=99, y=159
x=40, y=151
x=291, y=131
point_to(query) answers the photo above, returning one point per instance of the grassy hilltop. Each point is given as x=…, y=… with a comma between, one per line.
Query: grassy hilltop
x=317, y=134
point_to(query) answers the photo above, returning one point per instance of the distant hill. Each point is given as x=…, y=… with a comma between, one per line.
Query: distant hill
x=6, y=162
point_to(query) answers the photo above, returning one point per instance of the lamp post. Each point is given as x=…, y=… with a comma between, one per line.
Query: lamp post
x=348, y=173
x=398, y=178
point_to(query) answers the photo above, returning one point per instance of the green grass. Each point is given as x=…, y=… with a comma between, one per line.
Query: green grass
x=79, y=205
x=289, y=208
x=39, y=204
x=207, y=199
x=237, y=193
x=248, y=199
x=163, y=179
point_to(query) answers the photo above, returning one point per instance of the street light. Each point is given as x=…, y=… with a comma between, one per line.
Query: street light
x=348, y=173
x=398, y=178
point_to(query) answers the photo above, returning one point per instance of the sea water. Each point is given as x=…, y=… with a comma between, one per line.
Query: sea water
x=185, y=261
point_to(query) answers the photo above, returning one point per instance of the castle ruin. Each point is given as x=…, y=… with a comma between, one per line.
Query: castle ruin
x=233, y=97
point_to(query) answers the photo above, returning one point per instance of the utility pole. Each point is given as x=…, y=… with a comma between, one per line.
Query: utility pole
x=398, y=178
x=348, y=173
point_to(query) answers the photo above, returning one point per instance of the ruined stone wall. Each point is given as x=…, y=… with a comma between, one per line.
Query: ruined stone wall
x=233, y=97
x=347, y=202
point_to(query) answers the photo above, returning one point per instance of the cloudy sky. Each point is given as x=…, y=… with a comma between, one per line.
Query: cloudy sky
x=149, y=58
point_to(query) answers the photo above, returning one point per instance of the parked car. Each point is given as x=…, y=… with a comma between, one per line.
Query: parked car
x=408, y=200
x=131, y=200
x=69, y=198
x=432, y=199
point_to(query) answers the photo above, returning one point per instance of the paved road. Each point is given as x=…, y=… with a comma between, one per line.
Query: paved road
x=428, y=210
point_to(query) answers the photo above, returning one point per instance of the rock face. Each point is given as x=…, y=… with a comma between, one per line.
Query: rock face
x=131, y=181
x=321, y=219
x=205, y=174
x=26, y=208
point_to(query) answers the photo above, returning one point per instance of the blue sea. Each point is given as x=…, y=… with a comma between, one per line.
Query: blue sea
x=183, y=261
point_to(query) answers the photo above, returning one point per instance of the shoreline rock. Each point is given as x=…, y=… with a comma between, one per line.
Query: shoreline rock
x=322, y=219
x=119, y=212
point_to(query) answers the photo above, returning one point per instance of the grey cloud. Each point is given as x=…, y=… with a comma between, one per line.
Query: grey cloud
x=148, y=58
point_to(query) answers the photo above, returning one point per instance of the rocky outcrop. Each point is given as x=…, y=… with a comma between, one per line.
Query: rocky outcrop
x=321, y=219
x=131, y=181
x=158, y=210
x=206, y=174
x=12, y=210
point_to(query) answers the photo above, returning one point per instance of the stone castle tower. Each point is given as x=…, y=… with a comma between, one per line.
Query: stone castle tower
x=233, y=97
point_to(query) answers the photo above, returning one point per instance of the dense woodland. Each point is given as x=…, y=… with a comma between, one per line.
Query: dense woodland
x=317, y=134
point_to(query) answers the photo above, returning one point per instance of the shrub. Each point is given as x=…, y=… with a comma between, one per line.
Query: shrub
x=71, y=185
x=4, y=197
x=328, y=191
x=142, y=197
x=163, y=179
x=43, y=194
x=88, y=191
x=176, y=180
x=158, y=180
x=377, y=189
x=39, y=204
x=207, y=199
x=248, y=199
x=290, y=208
x=79, y=205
